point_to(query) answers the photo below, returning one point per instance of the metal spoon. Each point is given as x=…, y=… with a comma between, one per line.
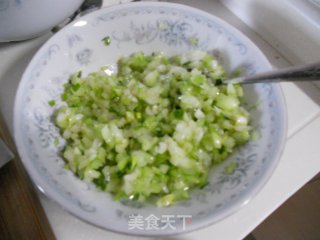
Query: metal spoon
x=309, y=72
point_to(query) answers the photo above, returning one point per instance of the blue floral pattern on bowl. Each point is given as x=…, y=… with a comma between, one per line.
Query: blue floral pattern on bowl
x=172, y=29
x=173, y=33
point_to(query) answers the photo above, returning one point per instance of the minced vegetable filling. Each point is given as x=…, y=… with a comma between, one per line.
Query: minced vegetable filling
x=153, y=130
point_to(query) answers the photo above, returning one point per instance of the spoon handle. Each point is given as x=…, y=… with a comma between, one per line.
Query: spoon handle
x=310, y=72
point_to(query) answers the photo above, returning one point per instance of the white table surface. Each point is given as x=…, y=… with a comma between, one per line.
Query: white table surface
x=299, y=163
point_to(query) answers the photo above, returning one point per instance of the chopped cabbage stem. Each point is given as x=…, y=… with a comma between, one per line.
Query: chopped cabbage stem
x=153, y=130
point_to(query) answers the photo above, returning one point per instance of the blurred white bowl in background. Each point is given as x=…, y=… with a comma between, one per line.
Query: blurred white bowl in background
x=21, y=20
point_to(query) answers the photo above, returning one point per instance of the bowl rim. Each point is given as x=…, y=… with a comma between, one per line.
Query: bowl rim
x=242, y=201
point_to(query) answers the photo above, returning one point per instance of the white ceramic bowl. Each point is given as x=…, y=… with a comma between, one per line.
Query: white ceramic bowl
x=147, y=27
x=20, y=20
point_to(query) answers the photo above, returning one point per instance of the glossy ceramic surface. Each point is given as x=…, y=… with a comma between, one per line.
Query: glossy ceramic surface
x=22, y=19
x=148, y=27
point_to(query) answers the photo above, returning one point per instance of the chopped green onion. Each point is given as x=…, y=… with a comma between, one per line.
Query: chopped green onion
x=56, y=141
x=153, y=130
x=52, y=103
x=106, y=40
x=75, y=87
x=231, y=168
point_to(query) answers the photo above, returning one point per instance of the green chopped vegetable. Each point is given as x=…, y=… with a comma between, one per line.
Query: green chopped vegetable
x=231, y=168
x=193, y=41
x=255, y=135
x=52, y=103
x=236, y=73
x=106, y=40
x=75, y=87
x=56, y=141
x=152, y=131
